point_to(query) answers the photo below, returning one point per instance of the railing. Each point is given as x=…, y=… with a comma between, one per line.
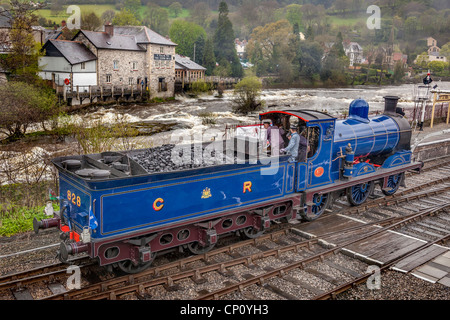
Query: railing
x=211, y=79
x=91, y=92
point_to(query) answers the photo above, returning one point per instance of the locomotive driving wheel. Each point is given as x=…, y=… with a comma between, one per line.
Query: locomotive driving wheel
x=252, y=233
x=359, y=193
x=197, y=248
x=320, y=204
x=393, y=184
x=128, y=266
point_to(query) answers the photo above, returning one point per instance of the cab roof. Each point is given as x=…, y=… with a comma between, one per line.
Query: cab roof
x=305, y=115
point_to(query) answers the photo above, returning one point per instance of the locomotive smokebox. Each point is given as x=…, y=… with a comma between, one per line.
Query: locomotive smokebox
x=390, y=105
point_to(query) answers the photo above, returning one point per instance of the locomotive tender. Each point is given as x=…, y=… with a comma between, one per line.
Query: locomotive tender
x=112, y=209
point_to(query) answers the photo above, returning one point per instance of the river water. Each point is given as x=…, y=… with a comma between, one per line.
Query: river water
x=188, y=113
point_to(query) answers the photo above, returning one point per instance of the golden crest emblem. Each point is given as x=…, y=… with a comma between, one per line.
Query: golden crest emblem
x=206, y=193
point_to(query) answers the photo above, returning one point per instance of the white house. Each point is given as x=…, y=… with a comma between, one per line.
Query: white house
x=354, y=52
x=240, y=47
x=68, y=63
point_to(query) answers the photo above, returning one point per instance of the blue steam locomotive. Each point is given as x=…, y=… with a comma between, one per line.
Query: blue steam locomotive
x=119, y=213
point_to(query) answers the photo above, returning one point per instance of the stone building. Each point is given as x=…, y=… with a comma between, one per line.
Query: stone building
x=120, y=60
x=132, y=56
x=129, y=56
x=159, y=61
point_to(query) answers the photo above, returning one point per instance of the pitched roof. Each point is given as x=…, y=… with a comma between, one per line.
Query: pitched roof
x=102, y=40
x=306, y=115
x=182, y=62
x=5, y=19
x=143, y=35
x=74, y=52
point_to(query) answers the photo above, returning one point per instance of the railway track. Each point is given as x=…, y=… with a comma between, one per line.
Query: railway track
x=264, y=268
x=287, y=241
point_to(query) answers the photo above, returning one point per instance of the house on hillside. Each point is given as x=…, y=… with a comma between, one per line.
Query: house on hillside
x=433, y=52
x=240, y=47
x=187, y=70
x=68, y=63
x=354, y=52
x=431, y=42
x=40, y=34
x=400, y=57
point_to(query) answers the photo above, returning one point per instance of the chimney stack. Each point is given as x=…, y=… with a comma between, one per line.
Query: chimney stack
x=109, y=29
x=390, y=105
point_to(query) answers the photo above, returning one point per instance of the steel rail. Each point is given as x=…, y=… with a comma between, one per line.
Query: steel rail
x=348, y=285
x=19, y=279
x=282, y=270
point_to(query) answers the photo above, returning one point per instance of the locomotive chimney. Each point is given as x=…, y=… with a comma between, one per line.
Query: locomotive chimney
x=390, y=105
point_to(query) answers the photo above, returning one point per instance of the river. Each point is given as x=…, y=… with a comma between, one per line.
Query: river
x=189, y=113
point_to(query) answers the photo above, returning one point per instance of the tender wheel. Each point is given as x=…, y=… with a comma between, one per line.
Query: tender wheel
x=393, y=184
x=252, y=233
x=197, y=248
x=128, y=266
x=321, y=203
x=359, y=193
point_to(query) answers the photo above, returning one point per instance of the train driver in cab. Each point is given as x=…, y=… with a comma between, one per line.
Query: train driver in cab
x=294, y=142
x=274, y=134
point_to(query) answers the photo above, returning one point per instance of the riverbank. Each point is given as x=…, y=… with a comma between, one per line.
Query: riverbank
x=273, y=83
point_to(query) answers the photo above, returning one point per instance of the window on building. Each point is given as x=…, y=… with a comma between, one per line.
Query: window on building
x=116, y=64
x=161, y=49
x=108, y=78
x=83, y=66
x=130, y=81
x=162, y=85
x=135, y=65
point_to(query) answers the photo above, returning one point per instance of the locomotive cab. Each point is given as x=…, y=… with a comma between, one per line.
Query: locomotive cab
x=319, y=132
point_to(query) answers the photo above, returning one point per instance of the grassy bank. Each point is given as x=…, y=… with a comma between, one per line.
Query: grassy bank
x=20, y=203
x=99, y=9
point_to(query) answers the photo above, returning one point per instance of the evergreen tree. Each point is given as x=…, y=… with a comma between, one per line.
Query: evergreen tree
x=209, y=60
x=296, y=29
x=335, y=63
x=224, y=48
x=309, y=34
x=338, y=48
x=199, y=48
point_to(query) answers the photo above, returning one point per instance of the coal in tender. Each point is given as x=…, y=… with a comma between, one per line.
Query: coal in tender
x=165, y=159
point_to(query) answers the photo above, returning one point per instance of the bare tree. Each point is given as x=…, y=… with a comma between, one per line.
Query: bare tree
x=108, y=16
x=90, y=21
x=22, y=105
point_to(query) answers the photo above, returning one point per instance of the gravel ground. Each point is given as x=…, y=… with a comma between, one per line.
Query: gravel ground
x=26, y=241
x=395, y=286
x=398, y=286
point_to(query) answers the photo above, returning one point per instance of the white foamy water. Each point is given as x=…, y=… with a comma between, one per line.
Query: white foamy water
x=190, y=112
